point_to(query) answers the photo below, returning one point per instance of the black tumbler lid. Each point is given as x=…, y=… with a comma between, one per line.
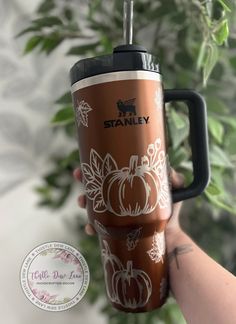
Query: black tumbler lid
x=124, y=58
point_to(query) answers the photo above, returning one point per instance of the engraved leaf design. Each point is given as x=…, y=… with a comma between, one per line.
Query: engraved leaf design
x=101, y=228
x=109, y=164
x=161, y=170
x=133, y=238
x=96, y=163
x=82, y=117
x=158, y=247
x=82, y=111
x=92, y=189
x=164, y=196
x=87, y=172
x=99, y=204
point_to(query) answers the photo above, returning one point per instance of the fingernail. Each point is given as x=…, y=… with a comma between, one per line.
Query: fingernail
x=76, y=172
x=89, y=230
x=81, y=201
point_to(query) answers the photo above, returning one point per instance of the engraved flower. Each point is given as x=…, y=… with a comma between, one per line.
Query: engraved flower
x=159, y=162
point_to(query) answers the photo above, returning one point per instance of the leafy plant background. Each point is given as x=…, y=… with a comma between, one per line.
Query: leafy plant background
x=195, y=42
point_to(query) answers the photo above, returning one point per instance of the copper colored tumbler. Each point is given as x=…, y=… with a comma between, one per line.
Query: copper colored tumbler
x=119, y=109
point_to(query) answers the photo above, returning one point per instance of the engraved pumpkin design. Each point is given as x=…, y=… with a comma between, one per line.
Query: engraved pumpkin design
x=133, y=287
x=129, y=287
x=130, y=191
x=111, y=264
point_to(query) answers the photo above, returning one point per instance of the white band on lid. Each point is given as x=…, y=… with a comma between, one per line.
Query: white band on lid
x=116, y=76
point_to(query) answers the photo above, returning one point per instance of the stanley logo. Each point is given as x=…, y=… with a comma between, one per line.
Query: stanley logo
x=127, y=115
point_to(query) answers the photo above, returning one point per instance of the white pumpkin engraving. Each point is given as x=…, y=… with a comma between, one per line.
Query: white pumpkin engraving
x=130, y=191
x=128, y=287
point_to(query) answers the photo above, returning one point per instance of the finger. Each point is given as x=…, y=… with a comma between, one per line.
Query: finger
x=77, y=174
x=89, y=229
x=176, y=209
x=173, y=223
x=82, y=201
x=177, y=179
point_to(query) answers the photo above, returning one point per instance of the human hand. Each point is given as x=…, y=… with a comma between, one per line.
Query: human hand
x=172, y=228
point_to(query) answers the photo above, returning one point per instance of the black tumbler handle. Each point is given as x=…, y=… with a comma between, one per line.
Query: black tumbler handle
x=198, y=140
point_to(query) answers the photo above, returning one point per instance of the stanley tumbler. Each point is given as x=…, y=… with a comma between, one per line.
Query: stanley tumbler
x=119, y=108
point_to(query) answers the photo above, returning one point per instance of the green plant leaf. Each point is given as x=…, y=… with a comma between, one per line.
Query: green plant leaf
x=231, y=121
x=230, y=143
x=219, y=158
x=216, y=129
x=64, y=116
x=82, y=49
x=28, y=30
x=201, y=55
x=220, y=203
x=178, y=135
x=222, y=32
x=46, y=6
x=233, y=62
x=47, y=21
x=178, y=120
x=44, y=191
x=51, y=42
x=65, y=99
x=71, y=158
x=226, y=4
x=68, y=13
x=177, y=156
x=210, y=62
x=73, y=26
x=213, y=189
x=93, y=7
x=32, y=43
x=106, y=44
x=216, y=105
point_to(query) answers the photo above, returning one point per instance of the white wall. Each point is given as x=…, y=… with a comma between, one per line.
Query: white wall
x=28, y=87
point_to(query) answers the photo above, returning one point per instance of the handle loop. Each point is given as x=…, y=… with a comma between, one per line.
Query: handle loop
x=198, y=140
